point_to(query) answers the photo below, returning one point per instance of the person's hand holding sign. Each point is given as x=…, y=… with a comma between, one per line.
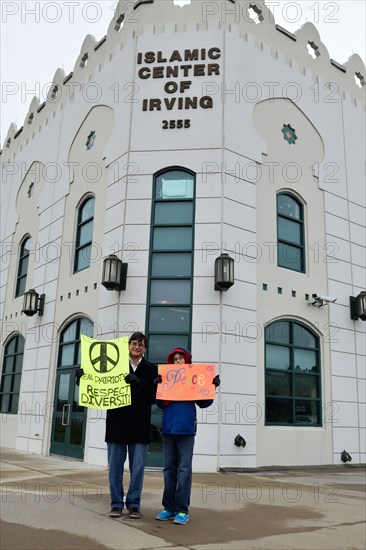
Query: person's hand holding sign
x=132, y=379
x=78, y=374
x=216, y=381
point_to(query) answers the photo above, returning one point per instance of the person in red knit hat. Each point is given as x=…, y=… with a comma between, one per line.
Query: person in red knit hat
x=179, y=429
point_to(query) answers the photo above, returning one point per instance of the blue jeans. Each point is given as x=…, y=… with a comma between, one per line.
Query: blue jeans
x=117, y=453
x=178, y=454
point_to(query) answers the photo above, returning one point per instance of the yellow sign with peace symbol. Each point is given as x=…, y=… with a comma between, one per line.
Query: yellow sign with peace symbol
x=105, y=364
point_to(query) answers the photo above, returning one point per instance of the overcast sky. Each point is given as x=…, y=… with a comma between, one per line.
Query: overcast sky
x=38, y=37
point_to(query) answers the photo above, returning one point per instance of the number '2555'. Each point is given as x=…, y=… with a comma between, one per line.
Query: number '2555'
x=171, y=124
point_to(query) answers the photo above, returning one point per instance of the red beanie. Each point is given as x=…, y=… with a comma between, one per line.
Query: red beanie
x=186, y=354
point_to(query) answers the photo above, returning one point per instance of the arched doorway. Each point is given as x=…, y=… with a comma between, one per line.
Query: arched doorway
x=69, y=419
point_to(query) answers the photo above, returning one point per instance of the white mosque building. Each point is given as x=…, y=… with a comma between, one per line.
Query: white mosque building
x=218, y=159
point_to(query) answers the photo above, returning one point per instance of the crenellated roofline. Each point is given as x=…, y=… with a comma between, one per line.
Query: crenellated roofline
x=160, y=16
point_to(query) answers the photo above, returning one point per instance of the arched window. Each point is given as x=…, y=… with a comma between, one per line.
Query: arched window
x=84, y=234
x=290, y=233
x=292, y=366
x=171, y=263
x=23, y=266
x=69, y=351
x=11, y=375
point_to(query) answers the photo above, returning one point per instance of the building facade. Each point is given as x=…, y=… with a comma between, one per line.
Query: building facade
x=183, y=134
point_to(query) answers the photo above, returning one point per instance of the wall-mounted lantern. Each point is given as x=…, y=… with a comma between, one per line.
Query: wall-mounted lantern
x=358, y=306
x=114, y=274
x=224, y=272
x=33, y=303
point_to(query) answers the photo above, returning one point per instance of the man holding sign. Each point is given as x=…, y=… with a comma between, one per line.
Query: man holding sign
x=128, y=425
x=179, y=428
x=128, y=430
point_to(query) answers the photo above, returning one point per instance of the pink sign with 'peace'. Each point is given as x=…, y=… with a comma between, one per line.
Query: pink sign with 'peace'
x=186, y=382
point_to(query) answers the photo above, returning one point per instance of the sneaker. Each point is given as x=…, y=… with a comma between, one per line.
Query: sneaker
x=181, y=519
x=163, y=516
x=115, y=513
x=134, y=513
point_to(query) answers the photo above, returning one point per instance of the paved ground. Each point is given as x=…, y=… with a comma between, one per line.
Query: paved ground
x=50, y=503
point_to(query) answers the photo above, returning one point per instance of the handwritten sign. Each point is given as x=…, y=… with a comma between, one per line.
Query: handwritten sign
x=186, y=382
x=105, y=364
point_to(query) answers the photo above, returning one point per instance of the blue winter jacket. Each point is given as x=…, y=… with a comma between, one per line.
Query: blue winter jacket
x=179, y=417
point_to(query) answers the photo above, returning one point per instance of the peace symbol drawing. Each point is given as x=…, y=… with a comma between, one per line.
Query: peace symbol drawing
x=103, y=356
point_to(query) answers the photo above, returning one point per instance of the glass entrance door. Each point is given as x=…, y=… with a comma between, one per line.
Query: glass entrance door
x=69, y=419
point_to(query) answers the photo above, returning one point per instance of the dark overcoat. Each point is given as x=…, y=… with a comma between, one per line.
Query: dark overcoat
x=131, y=424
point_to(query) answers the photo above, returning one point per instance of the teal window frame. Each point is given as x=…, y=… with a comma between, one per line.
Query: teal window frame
x=298, y=225
x=74, y=325
x=11, y=373
x=297, y=378
x=179, y=337
x=23, y=267
x=83, y=246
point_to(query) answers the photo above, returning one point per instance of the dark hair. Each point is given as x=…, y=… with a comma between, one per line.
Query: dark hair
x=139, y=336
